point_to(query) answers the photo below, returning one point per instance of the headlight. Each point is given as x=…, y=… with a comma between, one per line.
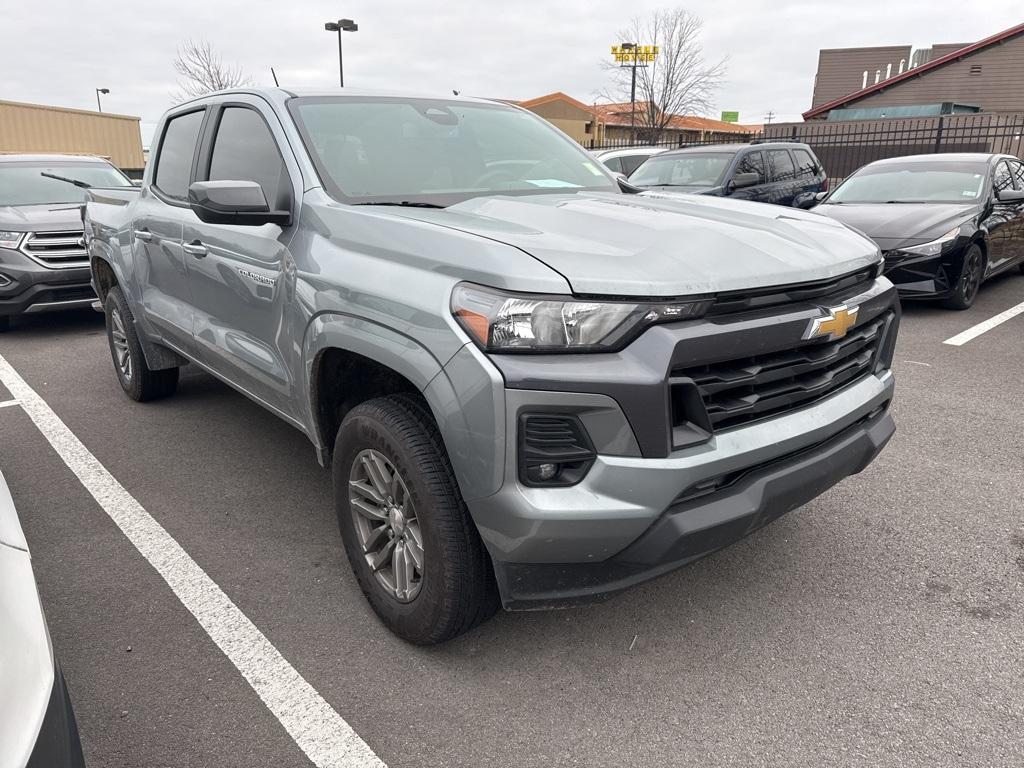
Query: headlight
x=515, y=322
x=10, y=239
x=935, y=246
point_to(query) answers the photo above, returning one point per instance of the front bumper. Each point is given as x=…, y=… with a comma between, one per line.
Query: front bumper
x=924, y=277
x=29, y=287
x=689, y=530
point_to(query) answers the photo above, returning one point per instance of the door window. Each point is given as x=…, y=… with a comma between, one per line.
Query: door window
x=1003, y=179
x=631, y=162
x=806, y=166
x=614, y=164
x=752, y=162
x=245, y=150
x=1017, y=169
x=174, y=163
x=781, y=165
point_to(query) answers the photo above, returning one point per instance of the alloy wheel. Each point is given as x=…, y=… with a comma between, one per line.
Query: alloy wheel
x=119, y=339
x=970, y=282
x=386, y=524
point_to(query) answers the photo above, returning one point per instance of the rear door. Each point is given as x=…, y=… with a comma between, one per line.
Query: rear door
x=752, y=162
x=237, y=273
x=809, y=176
x=783, y=184
x=162, y=272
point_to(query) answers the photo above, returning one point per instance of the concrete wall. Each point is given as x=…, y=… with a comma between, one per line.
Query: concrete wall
x=37, y=128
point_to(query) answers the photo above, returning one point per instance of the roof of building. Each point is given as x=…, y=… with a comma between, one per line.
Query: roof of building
x=556, y=96
x=51, y=108
x=49, y=157
x=967, y=50
x=619, y=113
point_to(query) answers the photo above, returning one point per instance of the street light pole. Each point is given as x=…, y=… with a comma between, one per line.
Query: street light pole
x=99, y=106
x=339, y=26
x=632, y=93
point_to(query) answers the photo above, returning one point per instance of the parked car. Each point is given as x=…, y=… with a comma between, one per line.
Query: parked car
x=626, y=160
x=783, y=173
x=530, y=385
x=37, y=723
x=945, y=223
x=43, y=264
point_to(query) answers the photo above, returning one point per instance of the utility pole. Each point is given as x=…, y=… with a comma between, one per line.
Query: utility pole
x=769, y=117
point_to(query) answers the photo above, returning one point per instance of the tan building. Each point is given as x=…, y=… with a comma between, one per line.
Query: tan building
x=38, y=128
x=599, y=125
x=987, y=75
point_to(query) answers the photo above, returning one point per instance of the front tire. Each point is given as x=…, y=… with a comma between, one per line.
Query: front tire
x=969, y=282
x=409, y=539
x=137, y=380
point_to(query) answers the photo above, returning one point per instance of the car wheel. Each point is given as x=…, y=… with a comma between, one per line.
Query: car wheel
x=137, y=380
x=967, y=285
x=409, y=539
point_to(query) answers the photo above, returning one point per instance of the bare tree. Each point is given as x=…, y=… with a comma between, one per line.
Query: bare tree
x=678, y=82
x=201, y=71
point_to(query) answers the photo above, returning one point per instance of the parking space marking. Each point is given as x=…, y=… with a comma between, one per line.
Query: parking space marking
x=318, y=730
x=9, y=403
x=976, y=330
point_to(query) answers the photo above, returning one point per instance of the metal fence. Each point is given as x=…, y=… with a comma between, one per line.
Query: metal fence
x=845, y=146
x=672, y=142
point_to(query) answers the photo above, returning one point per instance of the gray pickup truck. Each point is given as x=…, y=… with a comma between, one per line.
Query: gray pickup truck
x=533, y=386
x=43, y=264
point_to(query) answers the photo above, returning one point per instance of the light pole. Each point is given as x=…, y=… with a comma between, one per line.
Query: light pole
x=632, y=92
x=339, y=26
x=99, y=106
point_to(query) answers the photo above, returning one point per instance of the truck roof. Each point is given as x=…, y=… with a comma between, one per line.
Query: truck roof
x=281, y=94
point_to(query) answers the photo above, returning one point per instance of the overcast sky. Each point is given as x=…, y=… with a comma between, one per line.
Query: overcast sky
x=58, y=51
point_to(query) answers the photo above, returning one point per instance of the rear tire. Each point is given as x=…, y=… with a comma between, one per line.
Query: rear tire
x=969, y=282
x=398, y=502
x=137, y=380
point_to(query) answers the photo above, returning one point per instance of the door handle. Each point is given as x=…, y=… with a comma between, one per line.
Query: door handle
x=143, y=234
x=195, y=248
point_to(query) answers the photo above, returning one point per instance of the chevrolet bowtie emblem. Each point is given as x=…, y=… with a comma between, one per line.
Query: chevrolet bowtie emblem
x=839, y=321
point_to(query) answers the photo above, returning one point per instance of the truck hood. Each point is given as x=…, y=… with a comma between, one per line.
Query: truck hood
x=892, y=225
x=52, y=217
x=655, y=244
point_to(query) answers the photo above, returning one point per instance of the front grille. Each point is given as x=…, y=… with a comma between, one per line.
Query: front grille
x=740, y=391
x=744, y=301
x=57, y=250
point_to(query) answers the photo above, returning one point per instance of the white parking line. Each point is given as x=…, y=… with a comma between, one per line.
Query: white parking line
x=974, y=331
x=8, y=403
x=313, y=724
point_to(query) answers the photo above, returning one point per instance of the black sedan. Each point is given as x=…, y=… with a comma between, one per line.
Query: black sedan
x=945, y=223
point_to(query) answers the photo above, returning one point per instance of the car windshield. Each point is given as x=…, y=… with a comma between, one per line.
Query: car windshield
x=694, y=169
x=21, y=183
x=914, y=182
x=425, y=151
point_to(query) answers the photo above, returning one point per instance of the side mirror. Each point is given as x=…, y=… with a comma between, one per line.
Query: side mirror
x=625, y=186
x=741, y=180
x=1010, y=196
x=805, y=201
x=234, y=202
x=819, y=196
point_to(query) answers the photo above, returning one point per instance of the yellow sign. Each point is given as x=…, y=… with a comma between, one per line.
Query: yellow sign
x=638, y=54
x=835, y=326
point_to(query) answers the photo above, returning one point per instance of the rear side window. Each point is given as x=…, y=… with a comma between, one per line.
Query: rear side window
x=614, y=164
x=781, y=165
x=752, y=162
x=632, y=162
x=245, y=150
x=806, y=165
x=174, y=165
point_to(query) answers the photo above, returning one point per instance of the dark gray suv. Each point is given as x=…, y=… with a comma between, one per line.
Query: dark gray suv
x=43, y=264
x=783, y=173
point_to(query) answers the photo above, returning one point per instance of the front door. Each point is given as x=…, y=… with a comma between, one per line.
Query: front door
x=162, y=271
x=752, y=162
x=1003, y=222
x=237, y=273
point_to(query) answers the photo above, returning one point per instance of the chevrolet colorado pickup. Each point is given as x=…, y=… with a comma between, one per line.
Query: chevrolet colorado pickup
x=533, y=386
x=43, y=264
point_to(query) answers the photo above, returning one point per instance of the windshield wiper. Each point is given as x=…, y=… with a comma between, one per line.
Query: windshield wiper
x=405, y=204
x=76, y=182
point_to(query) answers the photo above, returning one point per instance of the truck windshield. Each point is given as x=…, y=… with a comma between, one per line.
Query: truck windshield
x=396, y=150
x=696, y=169
x=914, y=182
x=22, y=184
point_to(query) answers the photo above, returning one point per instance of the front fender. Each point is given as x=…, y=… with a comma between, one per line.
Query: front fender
x=407, y=357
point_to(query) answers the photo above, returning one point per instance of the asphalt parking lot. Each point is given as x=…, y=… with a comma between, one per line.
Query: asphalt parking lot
x=882, y=624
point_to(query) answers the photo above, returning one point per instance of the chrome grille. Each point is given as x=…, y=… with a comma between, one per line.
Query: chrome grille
x=57, y=250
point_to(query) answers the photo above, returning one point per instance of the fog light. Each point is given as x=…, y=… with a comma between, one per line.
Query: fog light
x=544, y=472
x=4, y=280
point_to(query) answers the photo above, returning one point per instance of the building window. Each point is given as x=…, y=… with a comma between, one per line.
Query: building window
x=864, y=82
x=903, y=65
x=888, y=70
x=878, y=75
